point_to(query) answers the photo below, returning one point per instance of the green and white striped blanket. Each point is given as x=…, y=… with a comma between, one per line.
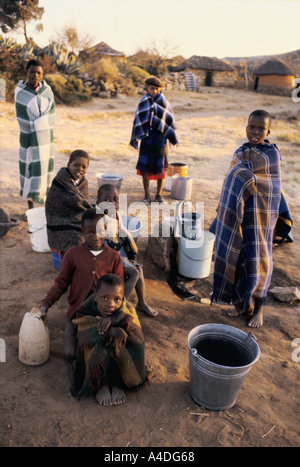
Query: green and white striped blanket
x=35, y=111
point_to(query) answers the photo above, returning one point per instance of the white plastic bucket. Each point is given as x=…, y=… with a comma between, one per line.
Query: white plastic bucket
x=133, y=224
x=34, y=339
x=187, y=224
x=38, y=230
x=109, y=178
x=194, y=259
x=220, y=358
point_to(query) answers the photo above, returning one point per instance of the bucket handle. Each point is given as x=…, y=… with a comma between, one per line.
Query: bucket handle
x=178, y=219
x=250, y=334
x=13, y=222
x=40, y=228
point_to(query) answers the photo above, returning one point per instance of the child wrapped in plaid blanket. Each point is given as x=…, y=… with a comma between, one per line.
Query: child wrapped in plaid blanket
x=154, y=125
x=110, y=355
x=35, y=112
x=247, y=216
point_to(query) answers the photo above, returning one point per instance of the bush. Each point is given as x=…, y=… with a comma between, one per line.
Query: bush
x=137, y=75
x=103, y=69
x=69, y=91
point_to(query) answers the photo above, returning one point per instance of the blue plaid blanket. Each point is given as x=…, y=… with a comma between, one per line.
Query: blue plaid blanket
x=162, y=119
x=247, y=215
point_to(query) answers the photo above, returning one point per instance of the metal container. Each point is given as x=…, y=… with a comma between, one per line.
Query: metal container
x=110, y=179
x=220, y=358
x=181, y=188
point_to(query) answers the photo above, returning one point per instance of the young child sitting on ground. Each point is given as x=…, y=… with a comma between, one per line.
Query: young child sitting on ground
x=154, y=125
x=110, y=351
x=247, y=216
x=108, y=195
x=67, y=199
x=81, y=267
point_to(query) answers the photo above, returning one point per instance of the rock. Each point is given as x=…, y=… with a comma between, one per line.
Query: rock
x=286, y=294
x=159, y=249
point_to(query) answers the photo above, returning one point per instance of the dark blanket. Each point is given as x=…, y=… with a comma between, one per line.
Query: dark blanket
x=156, y=112
x=98, y=360
x=65, y=205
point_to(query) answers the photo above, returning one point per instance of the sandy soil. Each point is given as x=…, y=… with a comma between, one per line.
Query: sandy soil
x=36, y=407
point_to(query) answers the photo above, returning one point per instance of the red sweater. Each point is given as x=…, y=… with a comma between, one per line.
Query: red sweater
x=80, y=270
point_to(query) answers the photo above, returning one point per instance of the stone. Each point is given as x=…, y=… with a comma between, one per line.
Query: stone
x=286, y=294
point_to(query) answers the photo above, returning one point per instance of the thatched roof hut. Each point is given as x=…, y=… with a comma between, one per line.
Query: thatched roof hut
x=274, y=72
x=100, y=50
x=197, y=62
x=209, y=70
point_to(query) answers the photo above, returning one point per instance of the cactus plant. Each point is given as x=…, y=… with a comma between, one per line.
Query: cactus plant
x=62, y=59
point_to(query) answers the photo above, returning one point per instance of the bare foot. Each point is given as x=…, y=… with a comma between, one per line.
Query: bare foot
x=147, y=309
x=257, y=319
x=233, y=313
x=103, y=396
x=117, y=396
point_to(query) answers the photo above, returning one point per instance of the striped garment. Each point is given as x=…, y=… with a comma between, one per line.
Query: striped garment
x=99, y=360
x=35, y=112
x=160, y=113
x=247, y=215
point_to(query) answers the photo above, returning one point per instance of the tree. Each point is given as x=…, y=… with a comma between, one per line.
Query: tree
x=73, y=40
x=152, y=59
x=16, y=14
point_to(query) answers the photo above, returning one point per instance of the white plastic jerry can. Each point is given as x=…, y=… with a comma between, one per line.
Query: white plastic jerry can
x=34, y=339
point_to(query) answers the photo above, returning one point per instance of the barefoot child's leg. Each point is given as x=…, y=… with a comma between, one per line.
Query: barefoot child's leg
x=117, y=395
x=103, y=395
x=256, y=320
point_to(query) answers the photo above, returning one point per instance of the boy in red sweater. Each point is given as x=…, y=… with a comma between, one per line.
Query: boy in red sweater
x=81, y=267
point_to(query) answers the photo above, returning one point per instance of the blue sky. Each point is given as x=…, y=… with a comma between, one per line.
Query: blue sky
x=186, y=27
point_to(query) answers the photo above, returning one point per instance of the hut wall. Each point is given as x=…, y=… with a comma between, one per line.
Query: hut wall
x=201, y=74
x=225, y=78
x=276, y=80
x=216, y=78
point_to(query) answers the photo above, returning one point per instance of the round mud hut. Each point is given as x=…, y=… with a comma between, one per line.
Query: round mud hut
x=273, y=73
x=210, y=71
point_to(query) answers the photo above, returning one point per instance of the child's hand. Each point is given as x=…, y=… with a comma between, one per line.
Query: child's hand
x=117, y=337
x=104, y=324
x=42, y=312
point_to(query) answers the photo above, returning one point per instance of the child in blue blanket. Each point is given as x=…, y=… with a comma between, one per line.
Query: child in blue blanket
x=153, y=124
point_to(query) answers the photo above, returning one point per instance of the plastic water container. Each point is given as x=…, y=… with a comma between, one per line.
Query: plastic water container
x=57, y=258
x=109, y=178
x=133, y=224
x=187, y=224
x=34, y=339
x=195, y=256
x=220, y=357
x=177, y=168
x=38, y=229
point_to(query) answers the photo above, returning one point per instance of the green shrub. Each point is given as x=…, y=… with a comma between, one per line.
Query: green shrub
x=103, y=69
x=69, y=91
x=137, y=75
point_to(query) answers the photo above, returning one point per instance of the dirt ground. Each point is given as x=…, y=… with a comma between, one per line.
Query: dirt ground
x=36, y=407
